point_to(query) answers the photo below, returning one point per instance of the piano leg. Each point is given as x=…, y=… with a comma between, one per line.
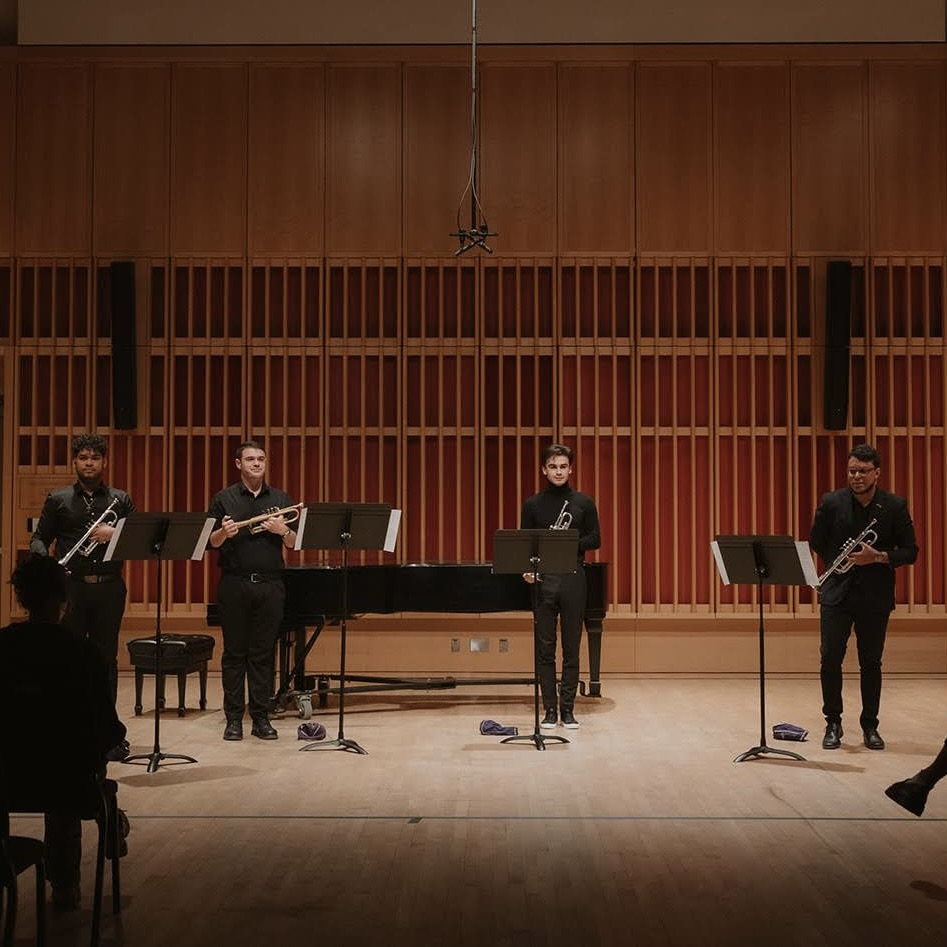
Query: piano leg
x=294, y=648
x=594, y=633
x=322, y=687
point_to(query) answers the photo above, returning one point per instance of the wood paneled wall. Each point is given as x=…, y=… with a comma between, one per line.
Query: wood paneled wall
x=656, y=294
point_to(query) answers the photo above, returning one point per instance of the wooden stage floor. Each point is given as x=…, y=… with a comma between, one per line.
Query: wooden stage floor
x=641, y=830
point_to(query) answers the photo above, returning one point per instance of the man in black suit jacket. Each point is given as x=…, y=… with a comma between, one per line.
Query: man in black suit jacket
x=863, y=595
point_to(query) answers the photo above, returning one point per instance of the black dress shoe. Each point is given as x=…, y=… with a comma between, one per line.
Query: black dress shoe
x=263, y=730
x=233, y=730
x=833, y=736
x=124, y=827
x=119, y=752
x=909, y=794
x=873, y=739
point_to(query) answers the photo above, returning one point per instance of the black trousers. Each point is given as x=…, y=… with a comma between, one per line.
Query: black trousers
x=250, y=616
x=95, y=611
x=870, y=627
x=562, y=598
x=63, y=841
x=63, y=833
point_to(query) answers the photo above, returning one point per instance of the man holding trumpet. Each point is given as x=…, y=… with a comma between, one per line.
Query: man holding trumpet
x=79, y=520
x=865, y=533
x=561, y=597
x=252, y=530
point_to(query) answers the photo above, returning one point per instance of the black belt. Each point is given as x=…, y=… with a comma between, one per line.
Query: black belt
x=255, y=576
x=93, y=579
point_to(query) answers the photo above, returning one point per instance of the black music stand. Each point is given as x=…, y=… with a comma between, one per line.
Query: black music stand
x=551, y=551
x=344, y=526
x=763, y=560
x=163, y=537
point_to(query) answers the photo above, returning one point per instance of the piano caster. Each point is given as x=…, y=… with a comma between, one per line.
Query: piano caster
x=304, y=705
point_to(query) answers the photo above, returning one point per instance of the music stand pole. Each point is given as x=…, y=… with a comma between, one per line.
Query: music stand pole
x=343, y=526
x=163, y=537
x=775, y=560
x=341, y=742
x=525, y=551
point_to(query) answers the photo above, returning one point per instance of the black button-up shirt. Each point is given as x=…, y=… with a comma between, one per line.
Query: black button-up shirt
x=249, y=552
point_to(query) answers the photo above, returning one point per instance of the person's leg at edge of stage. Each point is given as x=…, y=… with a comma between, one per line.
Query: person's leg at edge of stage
x=94, y=611
x=571, y=613
x=835, y=627
x=911, y=793
x=236, y=622
x=547, y=614
x=63, y=841
x=870, y=631
x=268, y=609
x=107, y=603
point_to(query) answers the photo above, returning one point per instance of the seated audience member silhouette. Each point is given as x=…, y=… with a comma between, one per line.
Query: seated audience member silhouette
x=54, y=685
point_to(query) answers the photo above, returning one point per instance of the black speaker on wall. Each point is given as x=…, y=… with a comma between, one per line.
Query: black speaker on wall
x=124, y=347
x=838, y=333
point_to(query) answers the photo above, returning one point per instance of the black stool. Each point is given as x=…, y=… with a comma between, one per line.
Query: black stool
x=180, y=655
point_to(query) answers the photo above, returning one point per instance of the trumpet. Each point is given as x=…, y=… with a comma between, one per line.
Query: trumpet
x=842, y=562
x=564, y=519
x=289, y=513
x=86, y=544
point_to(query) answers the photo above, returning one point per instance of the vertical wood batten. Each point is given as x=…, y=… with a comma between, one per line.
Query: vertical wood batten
x=363, y=360
x=906, y=347
x=207, y=408
x=669, y=351
x=803, y=406
x=440, y=491
x=7, y=282
x=596, y=377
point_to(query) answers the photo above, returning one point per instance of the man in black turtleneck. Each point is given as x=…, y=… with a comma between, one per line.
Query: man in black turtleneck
x=561, y=597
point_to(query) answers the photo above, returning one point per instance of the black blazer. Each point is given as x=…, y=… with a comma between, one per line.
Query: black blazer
x=835, y=522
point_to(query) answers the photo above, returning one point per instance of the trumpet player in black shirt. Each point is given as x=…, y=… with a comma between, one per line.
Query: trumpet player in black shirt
x=858, y=588
x=561, y=597
x=252, y=530
x=79, y=521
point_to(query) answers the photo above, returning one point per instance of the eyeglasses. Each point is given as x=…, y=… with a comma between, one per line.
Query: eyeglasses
x=861, y=471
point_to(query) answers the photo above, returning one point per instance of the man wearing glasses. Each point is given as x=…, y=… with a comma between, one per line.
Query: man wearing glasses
x=861, y=592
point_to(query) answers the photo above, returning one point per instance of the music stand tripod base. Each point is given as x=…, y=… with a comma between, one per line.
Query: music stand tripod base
x=540, y=739
x=156, y=757
x=762, y=750
x=341, y=743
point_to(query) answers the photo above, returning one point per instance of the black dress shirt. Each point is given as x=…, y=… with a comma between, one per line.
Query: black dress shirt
x=249, y=552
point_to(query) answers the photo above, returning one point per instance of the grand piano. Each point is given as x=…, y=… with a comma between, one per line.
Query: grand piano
x=314, y=599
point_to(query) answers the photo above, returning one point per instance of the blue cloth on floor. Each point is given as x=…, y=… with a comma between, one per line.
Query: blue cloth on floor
x=789, y=731
x=310, y=731
x=490, y=728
